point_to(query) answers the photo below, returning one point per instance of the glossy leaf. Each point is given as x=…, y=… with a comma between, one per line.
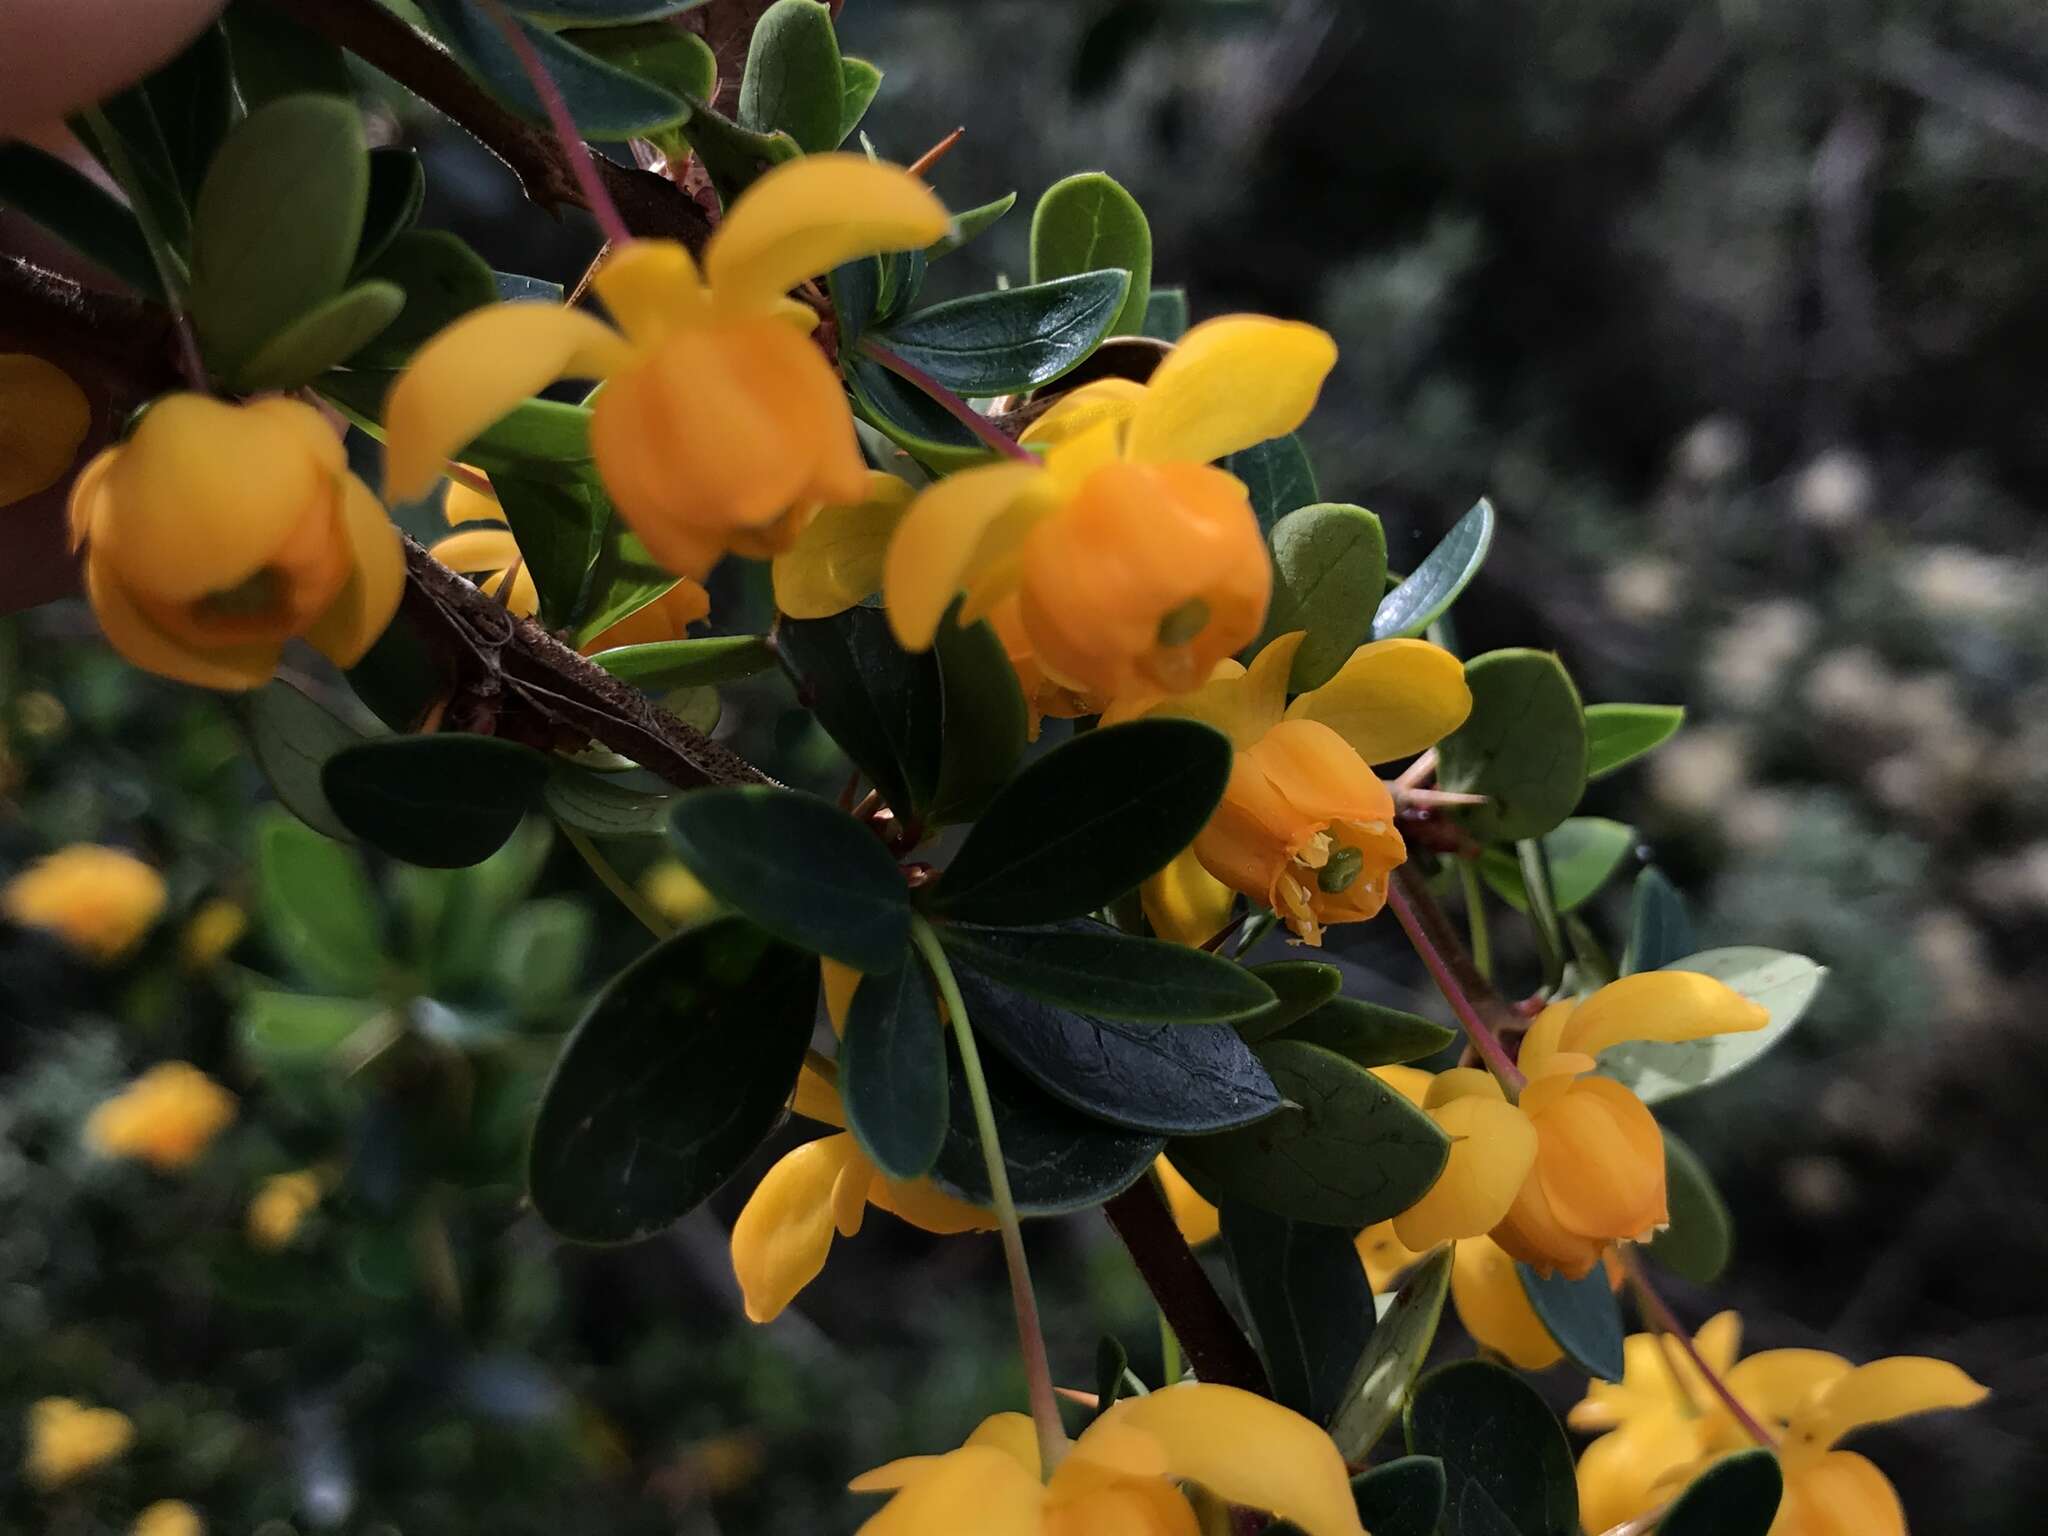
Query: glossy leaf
x=858, y=82
x=1783, y=983
x=441, y=801
x=71, y=206
x=398, y=185
x=910, y=419
x=1010, y=339
x=1349, y=1153
x=1370, y=1034
x=1701, y=1237
x=291, y=736
x=318, y=915
x=1380, y=1381
x=1660, y=928
x=560, y=530
x=892, y=1071
x=678, y=1069
x=667, y=56
x=968, y=224
x=1429, y=590
x=1498, y=1443
x=443, y=280
x=1087, y=822
x=1278, y=476
x=1523, y=746
x=1618, y=734
x=1403, y=1497
x=733, y=156
x=1114, y=1379
x=1308, y=1301
x=856, y=297
x=1584, y=853
x=320, y=338
x=1582, y=1316
x=1299, y=988
x=1166, y=314
x=1148, y=1077
x=605, y=807
x=793, y=82
x=984, y=719
x=1089, y=223
x=1329, y=569
x=688, y=663
x=882, y=704
x=606, y=102
x=1089, y=966
x=624, y=580
x=1737, y=1496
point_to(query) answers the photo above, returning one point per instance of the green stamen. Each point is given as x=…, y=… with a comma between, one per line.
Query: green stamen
x=261, y=593
x=1336, y=876
x=1184, y=623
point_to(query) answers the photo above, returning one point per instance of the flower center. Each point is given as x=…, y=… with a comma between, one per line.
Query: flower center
x=1184, y=623
x=1342, y=868
x=258, y=596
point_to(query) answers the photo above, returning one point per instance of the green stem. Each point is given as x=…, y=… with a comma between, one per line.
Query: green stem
x=1542, y=909
x=170, y=269
x=1475, y=916
x=1045, y=1408
x=616, y=883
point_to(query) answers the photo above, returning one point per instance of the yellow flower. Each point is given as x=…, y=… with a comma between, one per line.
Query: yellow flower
x=66, y=1440
x=493, y=553
x=720, y=419
x=168, y=1517
x=1198, y=1220
x=1043, y=695
x=1495, y=1309
x=218, y=532
x=782, y=1237
x=1383, y=1254
x=44, y=416
x=1305, y=826
x=1120, y=1475
x=211, y=932
x=167, y=1117
x=281, y=1206
x=1650, y=1422
x=100, y=901
x=1137, y=566
x=837, y=557
x=677, y=894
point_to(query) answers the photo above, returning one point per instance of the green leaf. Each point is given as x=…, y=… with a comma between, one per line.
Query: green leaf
x=1660, y=927
x=1498, y=1442
x=1166, y=314
x=1403, y=1497
x=1158, y=1078
x=603, y=14
x=443, y=280
x=1114, y=1379
x=1783, y=983
x=984, y=721
x=1011, y=339
x=1581, y=1316
x=541, y=948
x=734, y=157
x=291, y=1032
x=1584, y=853
x=910, y=419
x=1299, y=988
x=1434, y=585
x=439, y=801
x=1279, y=477
x=666, y=664
x=1701, y=1236
x=800, y=867
x=606, y=102
x=856, y=298
x=275, y=228
x=892, y=1071
x=1329, y=568
x=1308, y=1301
x=793, y=83
x=1086, y=822
x=538, y=439
x=401, y=676
x=882, y=704
x=1350, y=1152
x=1059, y=1160
x=138, y=157
x=193, y=97
x=969, y=224
x=78, y=211
x=660, y=53
x=1618, y=734
x=1088, y=966
x=320, y=338
x=624, y=580
x=1087, y=223
x=291, y=737
x=1370, y=1035
x=275, y=55
x=317, y=913
x=602, y=806
x=1523, y=746
x=1400, y=1340
x=397, y=188
x=1737, y=1496
x=858, y=82
x=677, y=1071
x=560, y=530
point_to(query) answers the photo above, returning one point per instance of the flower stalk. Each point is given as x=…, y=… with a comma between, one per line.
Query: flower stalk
x=951, y=403
x=1666, y=1322
x=1469, y=993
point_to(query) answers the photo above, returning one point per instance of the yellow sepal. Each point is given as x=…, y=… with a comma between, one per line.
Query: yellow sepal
x=1229, y=384
x=1392, y=698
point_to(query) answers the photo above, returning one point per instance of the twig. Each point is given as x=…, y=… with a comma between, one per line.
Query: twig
x=1209, y=1336
x=1470, y=994
x=1666, y=1322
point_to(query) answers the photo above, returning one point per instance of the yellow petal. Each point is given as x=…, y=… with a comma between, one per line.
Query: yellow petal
x=807, y=216
x=651, y=287
x=1540, y=1044
x=1230, y=383
x=1493, y=1147
x=816, y=1099
x=928, y=1208
x=1197, y=1219
x=1879, y=1392
x=1185, y=903
x=475, y=551
x=229, y=667
x=977, y=1488
x=1014, y=1435
x=946, y=538
x=1242, y=702
x=1775, y=1383
x=1719, y=1340
x=1245, y=1450
x=44, y=416
x=476, y=371
x=837, y=560
x=1619, y=1474
x=369, y=599
x=1412, y=1083
x=1082, y=410
x=1391, y=699
x=840, y=979
x=1495, y=1309
x=781, y=1239
x=1659, y=1005
x=1839, y=1494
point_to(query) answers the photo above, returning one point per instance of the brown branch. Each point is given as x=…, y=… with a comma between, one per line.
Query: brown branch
x=1210, y=1337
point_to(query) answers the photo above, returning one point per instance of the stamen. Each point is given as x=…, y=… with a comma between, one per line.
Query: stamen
x=1184, y=623
x=1343, y=868
x=262, y=593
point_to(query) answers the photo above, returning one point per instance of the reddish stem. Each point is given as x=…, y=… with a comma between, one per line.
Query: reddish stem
x=1453, y=971
x=953, y=405
x=1666, y=1322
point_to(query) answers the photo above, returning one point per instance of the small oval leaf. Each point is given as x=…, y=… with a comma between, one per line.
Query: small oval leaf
x=892, y=1071
x=1582, y=1316
x=1011, y=339
x=1523, y=746
x=882, y=704
x=1618, y=734
x=1434, y=585
x=1329, y=568
x=1370, y=1034
x=792, y=82
x=1278, y=476
x=320, y=338
x=1299, y=988
x=1087, y=223
x=669, y=664
x=1701, y=1236
x=440, y=801
x=1092, y=967
x=1393, y=1355
x=1309, y=1303
x=1737, y=1496
x=1499, y=1445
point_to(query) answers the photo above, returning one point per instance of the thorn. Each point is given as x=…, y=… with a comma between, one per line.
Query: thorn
x=1075, y=1395
x=935, y=154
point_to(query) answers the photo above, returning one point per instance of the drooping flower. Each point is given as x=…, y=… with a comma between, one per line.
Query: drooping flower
x=44, y=416
x=99, y=900
x=676, y=893
x=1495, y=1309
x=217, y=532
x=1120, y=1475
x=166, y=1118
x=281, y=1206
x=720, y=421
x=212, y=931
x=1305, y=826
x=168, y=1517
x=65, y=1440
x=1135, y=564
x=836, y=560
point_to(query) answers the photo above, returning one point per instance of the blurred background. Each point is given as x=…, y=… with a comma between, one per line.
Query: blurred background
x=1738, y=314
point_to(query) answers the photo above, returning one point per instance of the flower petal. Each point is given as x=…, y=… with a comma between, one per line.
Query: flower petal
x=1392, y=698
x=1230, y=383
x=1197, y=1219
x=476, y=371
x=976, y=1488
x=368, y=601
x=928, y=1208
x=781, y=1239
x=651, y=287
x=1839, y=1494
x=1242, y=702
x=1495, y=1309
x=840, y=979
x=816, y=1099
x=1185, y=903
x=1774, y=1384
x=1882, y=1391
x=1080, y=411
x=1493, y=1147
x=944, y=540
x=837, y=559
x=44, y=416
x=129, y=631
x=464, y=503
x=807, y=216
x=475, y=551
x=1659, y=1005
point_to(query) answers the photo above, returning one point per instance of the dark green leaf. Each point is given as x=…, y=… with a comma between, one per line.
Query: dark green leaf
x=1279, y=477
x=139, y=158
x=606, y=102
x=1113, y=1376
x=516, y=286
x=688, y=663
x=793, y=82
x=1701, y=1236
x=984, y=718
x=1582, y=1316
x=679, y=1068
x=1299, y=988
x=440, y=801
x=1011, y=339
x=1329, y=568
x=882, y=704
x=624, y=580
x=1370, y=1035
x=1404, y=1497
x=317, y=913
x=970, y=223
x=800, y=867
x=321, y=337
x=1309, y=1303
x=1087, y=223
x=541, y=948
x=1584, y=853
x=1352, y=1153
x=1523, y=746
x=79, y=212
x=910, y=419
x=600, y=13
x=734, y=157
x=560, y=530
x=1086, y=965
x=193, y=97
x=599, y=804
x=1494, y=1434
x=662, y=54
x=1618, y=734
x=537, y=439
x=1783, y=983
x=1087, y=822
x=291, y=737
x=1660, y=927
x=858, y=82
x=1736, y=1496
x=275, y=228
x=1166, y=314
x=397, y=188
x=856, y=297
x=1059, y=1160
x=1435, y=584
x=275, y=55
x=1156, y=1078
x=1380, y=1381
x=401, y=676
x=443, y=280
x=892, y=1071
x=902, y=281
